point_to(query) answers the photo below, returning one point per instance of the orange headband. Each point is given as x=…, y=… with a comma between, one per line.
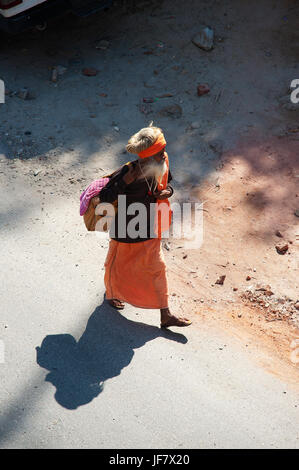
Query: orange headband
x=155, y=148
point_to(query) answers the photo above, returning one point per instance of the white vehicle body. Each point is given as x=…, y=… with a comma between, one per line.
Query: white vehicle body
x=25, y=5
x=18, y=15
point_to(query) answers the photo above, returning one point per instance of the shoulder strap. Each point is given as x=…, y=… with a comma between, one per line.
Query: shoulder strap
x=112, y=174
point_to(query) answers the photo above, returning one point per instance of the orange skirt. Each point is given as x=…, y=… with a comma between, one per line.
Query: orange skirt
x=136, y=273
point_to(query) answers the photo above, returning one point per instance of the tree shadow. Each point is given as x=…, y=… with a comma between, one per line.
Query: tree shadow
x=78, y=370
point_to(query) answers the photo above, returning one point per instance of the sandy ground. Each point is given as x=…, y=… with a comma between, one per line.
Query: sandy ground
x=235, y=148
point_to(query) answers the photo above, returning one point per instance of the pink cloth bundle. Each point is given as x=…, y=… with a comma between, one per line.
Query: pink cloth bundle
x=92, y=190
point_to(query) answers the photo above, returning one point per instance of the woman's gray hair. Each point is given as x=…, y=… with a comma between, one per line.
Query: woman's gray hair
x=143, y=139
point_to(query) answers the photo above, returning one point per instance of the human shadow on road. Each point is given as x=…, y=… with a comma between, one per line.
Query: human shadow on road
x=78, y=370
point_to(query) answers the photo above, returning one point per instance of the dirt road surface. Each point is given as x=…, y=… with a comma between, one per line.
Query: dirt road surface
x=75, y=93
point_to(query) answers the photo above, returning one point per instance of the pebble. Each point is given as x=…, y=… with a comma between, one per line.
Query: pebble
x=220, y=280
x=89, y=72
x=175, y=111
x=203, y=89
x=205, y=39
x=54, y=76
x=278, y=234
x=281, y=250
x=102, y=44
x=195, y=125
x=24, y=94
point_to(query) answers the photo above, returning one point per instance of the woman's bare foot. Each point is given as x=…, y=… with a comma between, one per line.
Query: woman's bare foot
x=115, y=303
x=167, y=319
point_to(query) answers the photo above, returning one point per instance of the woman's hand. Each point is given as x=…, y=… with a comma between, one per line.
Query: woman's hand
x=95, y=200
x=131, y=174
x=164, y=194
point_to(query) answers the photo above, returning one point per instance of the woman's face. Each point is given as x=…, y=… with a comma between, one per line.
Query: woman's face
x=160, y=156
x=154, y=166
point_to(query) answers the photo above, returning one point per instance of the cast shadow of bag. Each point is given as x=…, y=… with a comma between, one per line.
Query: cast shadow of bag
x=78, y=370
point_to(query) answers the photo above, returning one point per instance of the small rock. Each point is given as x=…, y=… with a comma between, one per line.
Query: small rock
x=266, y=290
x=195, y=125
x=203, y=89
x=89, y=72
x=205, y=39
x=24, y=94
x=175, y=111
x=235, y=289
x=54, y=76
x=165, y=95
x=102, y=44
x=166, y=246
x=278, y=234
x=296, y=212
x=248, y=278
x=56, y=72
x=220, y=280
x=281, y=250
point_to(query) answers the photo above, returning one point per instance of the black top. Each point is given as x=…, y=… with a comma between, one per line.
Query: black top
x=138, y=191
